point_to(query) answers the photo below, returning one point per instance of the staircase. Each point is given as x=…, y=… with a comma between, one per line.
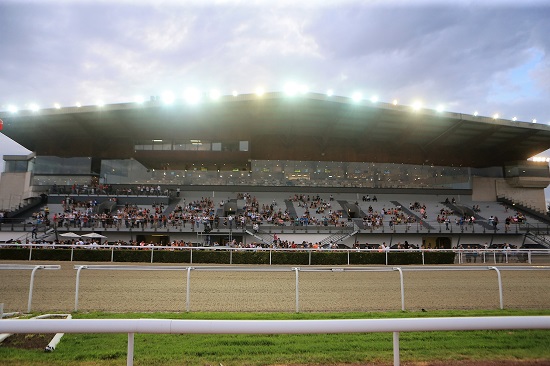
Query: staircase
x=263, y=237
x=338, y=237
x=290, y=208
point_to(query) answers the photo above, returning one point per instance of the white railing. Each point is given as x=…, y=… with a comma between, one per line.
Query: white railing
x=168, y=326
x=34, y=268
x=462, y=255
x=297, y=270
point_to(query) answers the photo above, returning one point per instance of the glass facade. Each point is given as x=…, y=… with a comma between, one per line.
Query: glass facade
x=16, y=166
x=68, y=171
x=296, y=173
x=62, y=166
x=190, y=145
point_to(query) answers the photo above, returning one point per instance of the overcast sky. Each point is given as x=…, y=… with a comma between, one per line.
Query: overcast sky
x=486, y=56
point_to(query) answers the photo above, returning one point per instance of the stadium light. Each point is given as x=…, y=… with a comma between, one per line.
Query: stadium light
x=168, y=97
x=495, y=116
x=357, y=96
x=57, y=106
x=34, y=107
x=476, y=113
x=235, y=93
x=534, y=120
x=12, y=109
x=374, y=99
x=260, y=91
x=440, y=108
x=192, y=95
x=514, y=119
x=215, y=94
x=100, y=103
x=139, y=99
x=330, y=93
x=78, y=105
x=394, y=102
x=291, y=89
x=416, y=106
x=303, y=89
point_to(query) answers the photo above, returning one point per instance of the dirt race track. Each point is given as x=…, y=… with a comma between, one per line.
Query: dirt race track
x=269, y=291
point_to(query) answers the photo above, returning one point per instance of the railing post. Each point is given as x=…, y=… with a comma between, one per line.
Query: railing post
x=31, y=287
x=529, y=257
x=230, y=256
x=112, y=253
x=72, y=252
x=422, y=257
x=270, y=251
x=309, y=257
x=297, y=269
x=152, y=250
x=348, y=257
x=499, y=287
x=30, y=252
x=188, y=290
x=395, y=348
x=130, y=357
x=191, y=256
x=77, y=287
x=402, y=287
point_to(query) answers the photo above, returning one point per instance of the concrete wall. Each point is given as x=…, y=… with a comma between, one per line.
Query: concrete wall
x=14, y=189
x=488, y=189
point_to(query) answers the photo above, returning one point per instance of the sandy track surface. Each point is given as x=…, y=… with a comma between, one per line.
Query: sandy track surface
x=147, y=291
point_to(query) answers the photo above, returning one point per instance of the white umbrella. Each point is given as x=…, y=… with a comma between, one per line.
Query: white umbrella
x=94, y=235
x=70, y=234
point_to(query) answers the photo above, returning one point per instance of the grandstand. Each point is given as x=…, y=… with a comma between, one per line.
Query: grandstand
x=274, y=171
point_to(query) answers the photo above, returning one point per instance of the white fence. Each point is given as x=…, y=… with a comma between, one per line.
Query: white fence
x=28, y=267
x=297, y=270
x=462, y=255
x=167, y=326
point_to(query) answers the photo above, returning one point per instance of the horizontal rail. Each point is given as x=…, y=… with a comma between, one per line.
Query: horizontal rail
x=28, y=266
x=172, y=326
x=168, y=326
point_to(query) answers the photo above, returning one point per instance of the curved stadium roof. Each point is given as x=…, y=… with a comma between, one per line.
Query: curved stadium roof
x=309, y=127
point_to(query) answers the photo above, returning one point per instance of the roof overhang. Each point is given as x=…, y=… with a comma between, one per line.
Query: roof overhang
x=278, y=127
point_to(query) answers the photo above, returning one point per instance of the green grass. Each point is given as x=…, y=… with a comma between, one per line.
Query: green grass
x=165, y=349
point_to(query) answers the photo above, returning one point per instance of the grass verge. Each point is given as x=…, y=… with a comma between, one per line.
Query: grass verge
x=314, y=349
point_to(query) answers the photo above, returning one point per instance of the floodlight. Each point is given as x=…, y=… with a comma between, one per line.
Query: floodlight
x=330, y=93
x=303, y=89
x=260, y=91
x=12, y=109
x=534, y=120
x=57, y=106
x=192, y=95
x=416, y=106
x=235, y=93
x=168, y=97
x=514, y=119
x=495, y=116
x=100, y=103
x=394, y=102
x=476, y=113
x=374, y=99
x=215, y=94
x=34, y=107
x=291, y=89
x=357, y=96
x=440, y=108
x=78, y=105
x=139, y=99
